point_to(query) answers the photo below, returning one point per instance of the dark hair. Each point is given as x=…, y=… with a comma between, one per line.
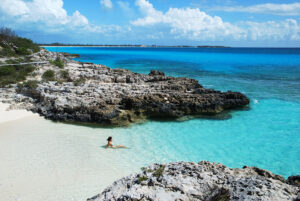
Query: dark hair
x=109, y=138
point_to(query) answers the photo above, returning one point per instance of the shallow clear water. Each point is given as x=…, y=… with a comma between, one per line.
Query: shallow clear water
x=267, y=135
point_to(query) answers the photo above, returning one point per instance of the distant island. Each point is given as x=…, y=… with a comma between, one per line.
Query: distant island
x=128, y=45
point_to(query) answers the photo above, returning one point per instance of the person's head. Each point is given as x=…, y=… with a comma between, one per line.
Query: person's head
x=109, y=139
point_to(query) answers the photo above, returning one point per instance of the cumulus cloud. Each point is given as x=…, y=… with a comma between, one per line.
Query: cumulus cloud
x=14, y=8
x=191, y=23
x=197, y=25
x=106, y=3
x=48, y=12
x=292, y=9
x=181, y=24
x=79, y=20
x=49, y=16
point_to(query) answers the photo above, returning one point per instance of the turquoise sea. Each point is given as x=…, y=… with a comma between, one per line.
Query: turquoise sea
x=267, y=135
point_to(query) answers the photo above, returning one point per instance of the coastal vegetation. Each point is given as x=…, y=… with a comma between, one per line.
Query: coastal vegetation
x=119, y=97
x=13, y=45
x=79, y=81
x=17, y=60
x=48, y=75
x=125, y=97
x=159, y=172
x=142, y=178
x=58, y=62
x=64, y=74
x=14, y=74
x=30, y=84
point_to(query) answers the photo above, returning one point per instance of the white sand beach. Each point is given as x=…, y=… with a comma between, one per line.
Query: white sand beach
x=46, y=161
x=10, y=115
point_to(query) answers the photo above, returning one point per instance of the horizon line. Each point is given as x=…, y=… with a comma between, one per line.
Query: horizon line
x=149, y=46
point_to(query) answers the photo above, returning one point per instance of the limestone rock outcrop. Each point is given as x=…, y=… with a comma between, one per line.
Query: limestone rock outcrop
x=98, y=94
x=203, y=181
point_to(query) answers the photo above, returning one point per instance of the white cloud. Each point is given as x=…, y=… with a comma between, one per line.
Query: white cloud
x=48, y=12
x=49, y=16
x=79, y=20
x=199, y=26
x=176, y=24
x=106, y=3
x=14, y=8
x=292, y=9
x=283, y=30
x=187, y=22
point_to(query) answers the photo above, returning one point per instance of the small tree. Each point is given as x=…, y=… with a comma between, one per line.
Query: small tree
x=49, y=75
x=57, y=62
x=7, y=34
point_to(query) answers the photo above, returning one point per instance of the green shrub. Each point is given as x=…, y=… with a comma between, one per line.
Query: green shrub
x=26, y=69
x=9, y=40
x=14, y=61
x=14, y=74
x=30, y=84
x=48, y=75
x=18, y=60
x=22, y=51
x=7, y=70
x=57, y=62
x=6, y=82
x=145, y=169
x=79, y=81
x=24, y=44
x=159, y=172
x=142, y=178
x=64, y=74
x=8, y=52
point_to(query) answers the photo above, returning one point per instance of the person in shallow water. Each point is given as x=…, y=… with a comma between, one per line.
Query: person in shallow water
x=110, y=145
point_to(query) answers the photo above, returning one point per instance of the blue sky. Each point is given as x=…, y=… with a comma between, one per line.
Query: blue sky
x=164, y=22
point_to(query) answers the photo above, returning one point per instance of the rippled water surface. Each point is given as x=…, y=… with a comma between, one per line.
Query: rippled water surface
x=267, y=135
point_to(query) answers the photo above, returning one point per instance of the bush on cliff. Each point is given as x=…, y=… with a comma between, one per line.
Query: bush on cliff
x=79, y=81
x=64, y=74
x=57, y=62
x=30, y=84
x=13, y=45
x=14, y=74
x=18, y=60
x=48, y=75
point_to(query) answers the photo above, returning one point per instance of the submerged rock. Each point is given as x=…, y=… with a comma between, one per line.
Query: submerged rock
x=204, y=181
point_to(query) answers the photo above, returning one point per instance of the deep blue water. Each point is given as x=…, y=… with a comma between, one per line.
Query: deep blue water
x=267, y=135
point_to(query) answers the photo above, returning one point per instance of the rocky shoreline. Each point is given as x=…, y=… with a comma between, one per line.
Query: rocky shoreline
x=91, y=93
x=203, y=181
